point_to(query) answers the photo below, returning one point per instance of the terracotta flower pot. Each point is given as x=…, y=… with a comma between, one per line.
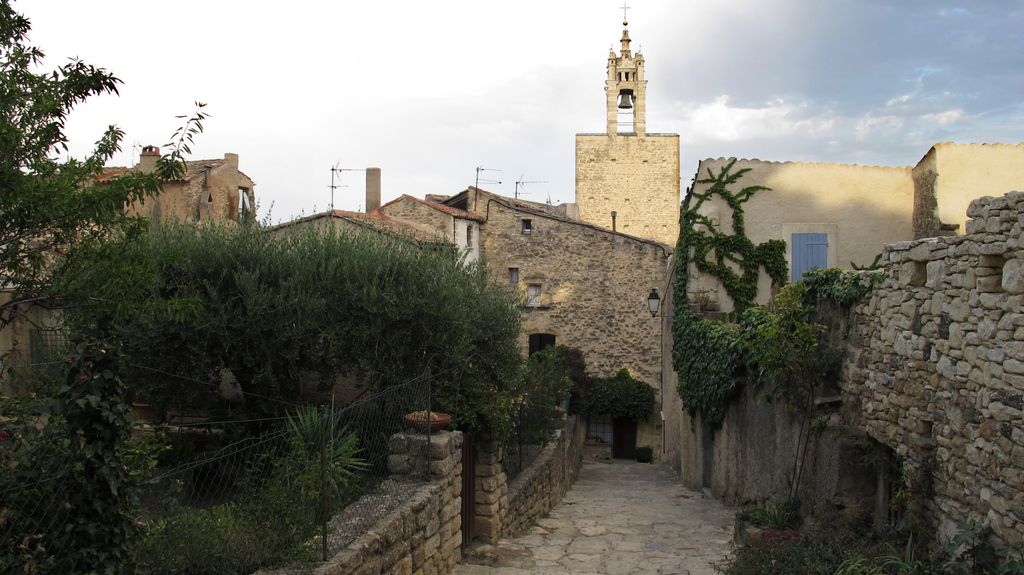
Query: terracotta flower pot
x=419, y=420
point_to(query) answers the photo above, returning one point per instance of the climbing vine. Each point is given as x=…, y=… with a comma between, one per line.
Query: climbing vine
x=714, y=252
x=709, y=356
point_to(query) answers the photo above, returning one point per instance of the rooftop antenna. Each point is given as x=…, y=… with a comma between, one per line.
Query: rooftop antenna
x=478, y=180
x=521, y=183
x=335, y=169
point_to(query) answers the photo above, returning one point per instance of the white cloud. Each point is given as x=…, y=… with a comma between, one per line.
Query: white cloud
x=873, y=126
x=719, y=121
x=944, y=118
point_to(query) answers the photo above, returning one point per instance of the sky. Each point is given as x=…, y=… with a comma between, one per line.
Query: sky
x=429, y=91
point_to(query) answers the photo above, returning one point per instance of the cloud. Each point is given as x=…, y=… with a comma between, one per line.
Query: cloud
x=718, y=120
x=944, y=118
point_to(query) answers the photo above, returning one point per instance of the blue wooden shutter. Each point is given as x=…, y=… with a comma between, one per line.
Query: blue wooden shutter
x=809, y=251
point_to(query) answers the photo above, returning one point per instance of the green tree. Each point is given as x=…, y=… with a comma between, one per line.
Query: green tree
x=49, y=205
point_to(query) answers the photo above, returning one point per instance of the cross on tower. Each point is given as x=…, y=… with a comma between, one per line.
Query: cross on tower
x=625, y=9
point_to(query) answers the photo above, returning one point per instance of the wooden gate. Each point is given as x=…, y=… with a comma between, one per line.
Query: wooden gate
x=468, y=489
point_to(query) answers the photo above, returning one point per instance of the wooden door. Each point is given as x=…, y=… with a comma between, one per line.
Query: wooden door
x=623, y=438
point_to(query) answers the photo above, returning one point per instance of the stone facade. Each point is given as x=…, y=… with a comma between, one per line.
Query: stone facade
x=539, y=487
x=460, y=227
x=637, y=177
x=424, y=535
x=593, y=285
x=936, y=369
x=210, y=190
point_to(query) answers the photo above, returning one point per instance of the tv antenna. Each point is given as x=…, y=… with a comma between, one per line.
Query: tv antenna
x=337, y=170
x=521, y=183
x=478, y=180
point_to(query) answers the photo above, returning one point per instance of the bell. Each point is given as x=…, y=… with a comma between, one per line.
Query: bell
x=625, y=101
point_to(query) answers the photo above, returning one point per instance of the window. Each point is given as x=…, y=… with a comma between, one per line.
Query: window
x=539, y=341
x=469, y=236
x=513, y=276
x=244, y=206
x=809, y=251
x=527, y=227
x=533, y=294
x=599, y=429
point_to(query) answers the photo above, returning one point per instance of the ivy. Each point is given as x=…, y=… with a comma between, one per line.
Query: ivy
x=708, y=356
x=714, y=252
x=622, y=395
x=710, y=361
x=835, y=286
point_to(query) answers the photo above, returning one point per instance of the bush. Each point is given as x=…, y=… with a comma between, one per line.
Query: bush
x=644, y=454
x=289, y=313
x=622, y=395
x=785, y=515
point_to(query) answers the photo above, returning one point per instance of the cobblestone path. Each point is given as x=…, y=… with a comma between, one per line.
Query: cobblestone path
x=620, y=518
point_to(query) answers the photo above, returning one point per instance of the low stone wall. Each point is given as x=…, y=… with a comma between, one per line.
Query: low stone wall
x=539, y=487
x=936, y=367
x=424, y=534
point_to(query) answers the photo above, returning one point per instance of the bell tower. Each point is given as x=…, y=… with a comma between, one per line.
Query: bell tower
x=626, y=89
x=626, y=178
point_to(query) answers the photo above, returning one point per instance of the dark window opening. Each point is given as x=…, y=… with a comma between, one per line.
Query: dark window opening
x=527, y=227
x=513, y=275
x=539, y=341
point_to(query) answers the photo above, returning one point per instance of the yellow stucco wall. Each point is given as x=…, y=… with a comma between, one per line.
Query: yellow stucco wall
x=969, y=171
x=635, y=176
x=861, y=208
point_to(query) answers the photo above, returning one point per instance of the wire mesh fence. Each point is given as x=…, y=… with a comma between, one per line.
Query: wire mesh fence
x=533, y=426
x=226, y=497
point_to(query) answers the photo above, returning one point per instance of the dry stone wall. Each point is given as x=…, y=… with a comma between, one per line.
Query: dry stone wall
x=539, y=487
x=424, y=534
x=936, y=366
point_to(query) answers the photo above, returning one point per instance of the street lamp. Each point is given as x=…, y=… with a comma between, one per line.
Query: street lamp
x=654, y=302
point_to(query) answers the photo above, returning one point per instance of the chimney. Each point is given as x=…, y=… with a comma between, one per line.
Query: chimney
x=614, y=215
x=231, y=160
x=147, y=161
x=372, y=189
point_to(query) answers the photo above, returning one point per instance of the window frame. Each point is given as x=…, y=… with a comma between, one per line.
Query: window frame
x=513, y=276
x=534, y=300
x=527, y=226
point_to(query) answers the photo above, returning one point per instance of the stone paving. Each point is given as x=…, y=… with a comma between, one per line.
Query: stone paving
x=619, y=518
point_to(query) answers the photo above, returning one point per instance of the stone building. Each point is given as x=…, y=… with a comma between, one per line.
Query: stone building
x=626, y=178
x=210, y=190
x=457, y=226
x=582, y=285
x=838, y=215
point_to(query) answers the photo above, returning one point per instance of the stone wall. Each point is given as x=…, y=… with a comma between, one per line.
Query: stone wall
x=424, y=534
x=491, y=492
x=936, y=366
x=420, y=215
x=933, y=379
x=539, y=487
x=635, y=176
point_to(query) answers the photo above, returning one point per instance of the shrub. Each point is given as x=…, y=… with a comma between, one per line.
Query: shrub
x=289, y=313
x=644, y=454
x=622, y=395
x=785, y=515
